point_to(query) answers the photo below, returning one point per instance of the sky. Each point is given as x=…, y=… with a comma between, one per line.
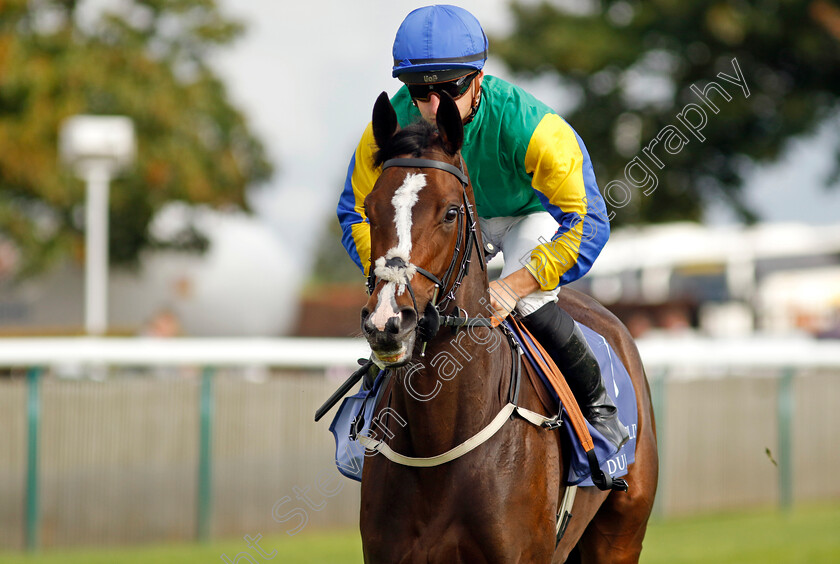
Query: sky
x=307, y=73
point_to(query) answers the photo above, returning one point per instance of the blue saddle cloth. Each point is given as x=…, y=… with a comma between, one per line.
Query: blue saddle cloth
x=357, y=412
x=355, y=416
x=620, y=389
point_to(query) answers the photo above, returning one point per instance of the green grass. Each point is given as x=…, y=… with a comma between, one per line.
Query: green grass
x=321, y=547
x=807, y=535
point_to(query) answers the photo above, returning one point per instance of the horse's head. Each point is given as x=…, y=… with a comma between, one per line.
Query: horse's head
x=421, y=229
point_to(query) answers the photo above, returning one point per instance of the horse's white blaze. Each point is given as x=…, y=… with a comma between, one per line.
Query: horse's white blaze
x=397, y=277
x=386, y=306
x=404, y=199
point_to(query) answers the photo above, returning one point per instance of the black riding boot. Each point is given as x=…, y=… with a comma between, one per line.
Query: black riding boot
x=564, y=341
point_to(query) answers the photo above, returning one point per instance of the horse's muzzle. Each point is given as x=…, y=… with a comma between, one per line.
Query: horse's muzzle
x=392, y=341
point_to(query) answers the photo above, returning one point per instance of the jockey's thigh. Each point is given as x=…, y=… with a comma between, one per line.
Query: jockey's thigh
x=516, y=237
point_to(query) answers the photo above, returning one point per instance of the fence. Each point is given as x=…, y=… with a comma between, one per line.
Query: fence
x=744, y=423
x=164, y=440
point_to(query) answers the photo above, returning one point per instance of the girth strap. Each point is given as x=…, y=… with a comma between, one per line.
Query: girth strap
x=564, y=514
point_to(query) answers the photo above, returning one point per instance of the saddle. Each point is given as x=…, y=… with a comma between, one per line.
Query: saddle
x=590, y=450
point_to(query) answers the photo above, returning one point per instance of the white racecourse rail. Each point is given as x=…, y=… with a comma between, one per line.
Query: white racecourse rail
x=756, y=352
x=139, y=351
x=324, y=353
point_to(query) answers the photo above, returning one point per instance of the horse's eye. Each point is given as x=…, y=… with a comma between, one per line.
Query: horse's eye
x=451, y=215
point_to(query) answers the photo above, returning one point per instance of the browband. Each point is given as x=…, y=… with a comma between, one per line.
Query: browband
x=427, y=163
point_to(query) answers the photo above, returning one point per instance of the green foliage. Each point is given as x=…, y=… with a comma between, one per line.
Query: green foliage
x=333, y=265
x=148, y=61
x=632, y=64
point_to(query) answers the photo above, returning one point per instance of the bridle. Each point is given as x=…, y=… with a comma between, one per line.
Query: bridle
x=447, y=285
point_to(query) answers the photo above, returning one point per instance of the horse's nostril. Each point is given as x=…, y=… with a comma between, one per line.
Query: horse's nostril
x=408, y=317
x=392, y=325
x=367, y=326
x=403, y=321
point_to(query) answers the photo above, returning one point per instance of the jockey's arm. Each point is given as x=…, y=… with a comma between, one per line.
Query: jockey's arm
x=563, y=177
x=361, y=176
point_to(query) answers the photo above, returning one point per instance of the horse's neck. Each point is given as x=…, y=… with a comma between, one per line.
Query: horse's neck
x=454, y=391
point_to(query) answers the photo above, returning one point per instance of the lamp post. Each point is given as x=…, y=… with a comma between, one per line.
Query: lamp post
x=97, y=148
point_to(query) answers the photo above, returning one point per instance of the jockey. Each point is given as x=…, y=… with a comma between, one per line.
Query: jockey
x=534, y=186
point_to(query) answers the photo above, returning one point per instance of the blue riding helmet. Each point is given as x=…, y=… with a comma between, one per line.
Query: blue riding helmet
x=438, y=38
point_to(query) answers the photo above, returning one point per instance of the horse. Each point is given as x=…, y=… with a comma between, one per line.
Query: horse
x=452, y=370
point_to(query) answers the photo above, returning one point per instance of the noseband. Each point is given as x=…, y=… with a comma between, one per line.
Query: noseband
x=459, y=266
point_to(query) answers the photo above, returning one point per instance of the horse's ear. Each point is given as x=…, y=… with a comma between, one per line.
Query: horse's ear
x=384, y=120
x=449, y=124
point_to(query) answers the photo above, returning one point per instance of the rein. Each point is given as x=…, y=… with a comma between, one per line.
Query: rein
x=433, y=317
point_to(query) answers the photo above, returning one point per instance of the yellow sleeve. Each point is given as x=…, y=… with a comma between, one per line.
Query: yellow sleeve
x=361, y=179
x=555, y=160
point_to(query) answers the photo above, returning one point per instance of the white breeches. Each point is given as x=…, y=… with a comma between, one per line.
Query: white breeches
x=516, y=237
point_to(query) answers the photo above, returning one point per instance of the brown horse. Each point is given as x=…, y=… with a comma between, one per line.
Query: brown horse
x=498, y=501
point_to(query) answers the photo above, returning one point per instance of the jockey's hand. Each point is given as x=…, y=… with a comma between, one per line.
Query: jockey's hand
x=505, y=292
x=502, y=301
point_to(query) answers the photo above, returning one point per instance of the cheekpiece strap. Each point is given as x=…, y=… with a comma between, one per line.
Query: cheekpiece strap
x=430, y=276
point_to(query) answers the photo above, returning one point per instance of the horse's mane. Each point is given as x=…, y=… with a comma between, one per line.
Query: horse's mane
x=414, y=140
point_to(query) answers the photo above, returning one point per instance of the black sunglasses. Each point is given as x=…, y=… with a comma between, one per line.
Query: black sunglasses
x=455, y=88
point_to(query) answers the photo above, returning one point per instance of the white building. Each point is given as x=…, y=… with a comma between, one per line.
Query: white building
x=777, y=277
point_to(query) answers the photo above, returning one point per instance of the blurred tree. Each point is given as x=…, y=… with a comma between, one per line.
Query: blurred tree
x=634, y=66
x=146, y=59
x=332, y=264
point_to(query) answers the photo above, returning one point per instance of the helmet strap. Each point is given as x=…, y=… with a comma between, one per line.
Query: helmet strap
x=476, y=102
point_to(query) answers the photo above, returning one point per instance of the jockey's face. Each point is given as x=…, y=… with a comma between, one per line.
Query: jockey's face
x=429, y=108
